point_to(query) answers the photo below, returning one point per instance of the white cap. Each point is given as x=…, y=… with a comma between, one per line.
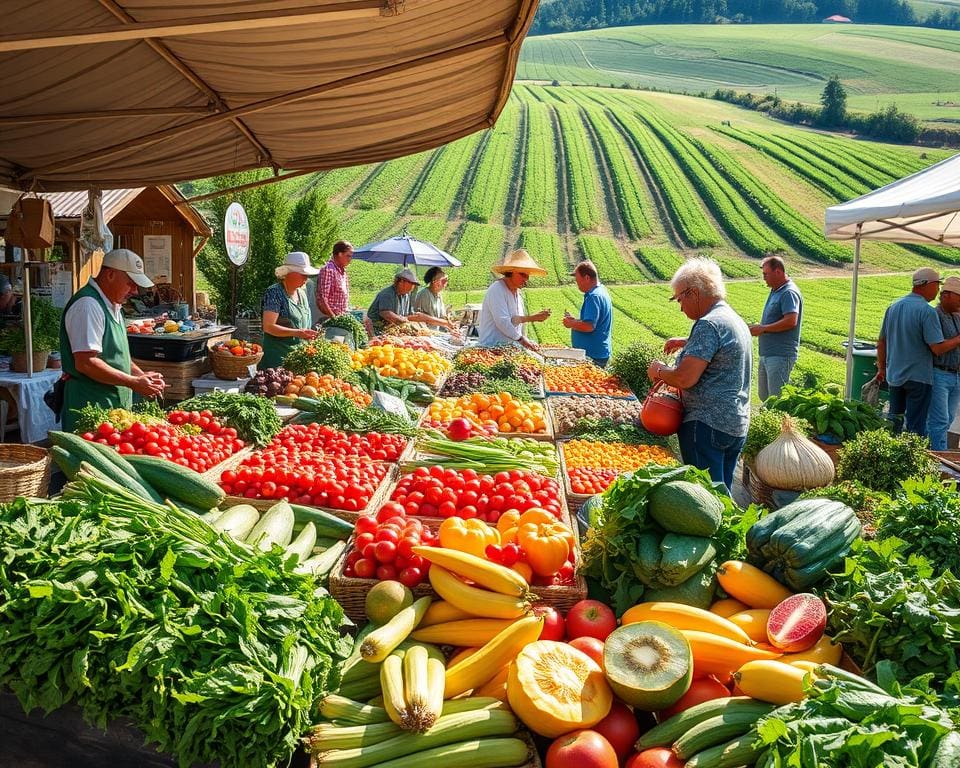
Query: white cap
x=408, y=275
x=296, y=261
x=127, y=261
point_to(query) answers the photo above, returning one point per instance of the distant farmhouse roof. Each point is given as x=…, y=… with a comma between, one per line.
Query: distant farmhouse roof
x=836, y=19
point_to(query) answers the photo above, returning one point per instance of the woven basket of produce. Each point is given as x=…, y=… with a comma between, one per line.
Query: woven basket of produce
x=229, y=364
x=24, y=471
x=831, y=449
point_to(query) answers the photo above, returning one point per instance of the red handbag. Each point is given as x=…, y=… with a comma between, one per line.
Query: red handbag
x=662, y=409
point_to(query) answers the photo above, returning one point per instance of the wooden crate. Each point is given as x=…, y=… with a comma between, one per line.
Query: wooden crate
x=380, y=495
x=551, y=405
x=546, y=435
x=178, y=376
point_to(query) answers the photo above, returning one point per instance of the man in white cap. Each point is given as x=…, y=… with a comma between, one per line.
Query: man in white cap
x=394, y=304
x=502, y=314
x=946, y=368
x=910, y=336
x=94, y=350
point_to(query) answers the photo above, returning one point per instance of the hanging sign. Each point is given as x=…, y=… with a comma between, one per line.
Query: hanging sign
x=236, y=234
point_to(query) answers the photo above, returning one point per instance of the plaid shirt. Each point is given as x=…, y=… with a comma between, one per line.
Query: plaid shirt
x=333, y=288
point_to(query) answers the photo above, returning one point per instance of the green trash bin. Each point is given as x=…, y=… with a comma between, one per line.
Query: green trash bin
x=865, y=368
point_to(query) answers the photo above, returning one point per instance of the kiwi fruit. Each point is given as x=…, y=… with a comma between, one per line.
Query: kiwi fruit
x=648, y=664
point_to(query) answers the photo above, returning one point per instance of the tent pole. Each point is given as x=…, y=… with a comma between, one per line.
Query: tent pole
x=27, y=320
x=853, y=314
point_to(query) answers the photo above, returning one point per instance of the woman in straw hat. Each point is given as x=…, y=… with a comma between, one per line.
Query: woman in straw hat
x=502, y=314
x=286, y=309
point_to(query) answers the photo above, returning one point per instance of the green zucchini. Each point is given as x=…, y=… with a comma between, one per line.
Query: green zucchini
x=321, y=565
x=108, y=461
x=327, y=524
x=716, y=730
x=302, y=546
x=212, y=516
x=667, y=732
x=179, y=483
x=745, y=750
x=238, y=521
x=275, y=527
x=68, y=463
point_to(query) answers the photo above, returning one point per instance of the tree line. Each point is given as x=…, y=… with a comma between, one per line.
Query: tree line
x=571, y=15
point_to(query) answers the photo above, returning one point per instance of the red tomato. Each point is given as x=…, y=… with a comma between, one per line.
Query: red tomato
x=590, y=646
x=658, y=757
x=364, y=568
x=553, y=626
x=583, y=749
x=620, y=728
x=388, y=510
x=703, y=689
x=590, y=618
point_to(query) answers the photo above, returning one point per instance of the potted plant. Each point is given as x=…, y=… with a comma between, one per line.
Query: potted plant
x=45, y=322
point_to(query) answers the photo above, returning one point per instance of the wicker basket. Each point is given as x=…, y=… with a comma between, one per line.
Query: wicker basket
x=24, y=471
x=231, y=367
x=831, y=449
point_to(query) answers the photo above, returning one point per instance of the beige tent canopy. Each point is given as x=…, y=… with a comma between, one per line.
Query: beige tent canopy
x=123, y=93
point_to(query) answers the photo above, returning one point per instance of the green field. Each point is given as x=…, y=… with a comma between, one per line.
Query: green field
x=637, y=181
x=912, y=67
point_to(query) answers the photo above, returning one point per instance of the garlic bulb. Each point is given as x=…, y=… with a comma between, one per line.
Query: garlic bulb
x=794, y=463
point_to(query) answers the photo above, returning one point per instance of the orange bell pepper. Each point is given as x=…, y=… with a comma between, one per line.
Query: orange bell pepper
x=509, y=519
x=546, y=546
x=470, y=536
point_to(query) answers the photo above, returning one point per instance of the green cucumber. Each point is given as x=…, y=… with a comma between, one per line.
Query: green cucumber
x=716, y=730
x=321, y=565
x=108, y=461
x=745, y=750
x=68, y=463
x=302, y=546
x=238, y=521
x=179, y=483
x=328, y=525
x=275, y=527
x=667, y=732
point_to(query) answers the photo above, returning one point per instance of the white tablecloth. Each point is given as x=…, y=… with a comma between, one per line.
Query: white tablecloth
x=34, y=415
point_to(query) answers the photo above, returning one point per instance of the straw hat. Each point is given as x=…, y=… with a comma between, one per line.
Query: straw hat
x=296, y=261
x=518, y=261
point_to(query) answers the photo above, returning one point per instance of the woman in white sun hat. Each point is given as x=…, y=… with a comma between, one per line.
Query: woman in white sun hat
x=286, y=309
x=502, y=315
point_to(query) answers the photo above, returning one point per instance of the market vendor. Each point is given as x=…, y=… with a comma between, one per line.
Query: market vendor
x=11, y=310
x=712, y=371
x=94, y=349
x=429, y=301
x=286, y=309
x=394, y=304
x=502, y=315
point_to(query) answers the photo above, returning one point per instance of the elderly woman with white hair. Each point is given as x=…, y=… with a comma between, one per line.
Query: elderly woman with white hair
x=712, y=371
x=286, y=309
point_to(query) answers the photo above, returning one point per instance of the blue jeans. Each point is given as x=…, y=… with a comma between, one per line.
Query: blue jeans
x=707, y=448
x=909, y=404
x=600, y=362
x=943, y=407
x=772, y=374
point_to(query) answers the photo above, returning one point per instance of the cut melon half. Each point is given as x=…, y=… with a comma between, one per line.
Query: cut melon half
x=648, y=664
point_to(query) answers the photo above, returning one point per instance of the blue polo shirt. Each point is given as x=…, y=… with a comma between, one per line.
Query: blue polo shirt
x=785, y=300
x=597, y=309
x=909, y=326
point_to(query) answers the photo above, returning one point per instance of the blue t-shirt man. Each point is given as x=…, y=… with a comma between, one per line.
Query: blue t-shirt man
x=778, y=329
x=782, y=301
x=592, y=331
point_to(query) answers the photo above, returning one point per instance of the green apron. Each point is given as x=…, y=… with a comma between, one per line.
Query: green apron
x=79, y=389
x=275, y=348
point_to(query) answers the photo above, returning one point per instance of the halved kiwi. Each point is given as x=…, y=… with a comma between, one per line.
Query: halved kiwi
x=648, y=664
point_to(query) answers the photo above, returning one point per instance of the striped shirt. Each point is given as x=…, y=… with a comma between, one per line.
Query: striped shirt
x=333, y=288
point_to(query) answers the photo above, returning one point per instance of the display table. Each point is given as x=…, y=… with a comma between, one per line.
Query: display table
x=34, y=415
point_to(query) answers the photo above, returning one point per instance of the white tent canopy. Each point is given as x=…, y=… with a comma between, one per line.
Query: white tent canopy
x=922, y=208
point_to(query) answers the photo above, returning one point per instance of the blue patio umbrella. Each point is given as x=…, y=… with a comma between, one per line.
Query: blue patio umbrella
x=405, y=250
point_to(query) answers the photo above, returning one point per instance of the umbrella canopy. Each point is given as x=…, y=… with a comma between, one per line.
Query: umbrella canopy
x=403, y=249
x=125, y=93
x=921, y=208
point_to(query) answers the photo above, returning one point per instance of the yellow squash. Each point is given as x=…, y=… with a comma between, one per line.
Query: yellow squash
x=680, y=616
x=754, y=622
x=479, y=667
x=479, y=602
x=750, y=585
x=715, y=655
x=466, y=632
x=771, y=681
x=481, y=572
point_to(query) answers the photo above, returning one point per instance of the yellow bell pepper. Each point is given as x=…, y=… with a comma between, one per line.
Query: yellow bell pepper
x=470, y=536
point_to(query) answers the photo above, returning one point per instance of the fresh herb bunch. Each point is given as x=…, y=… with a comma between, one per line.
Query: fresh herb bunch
x=926, y=515
x=862, y=500
x=890, y=605
x=631, y=365
x=610, y=549
x=765, y=427
x=348, y=322
x=848, y=721
x=254, y=418
x=520, y=390
x=320, y=356
x=881, y=460
x=91, y=416
x=340, y=412
x=827, y=411
x=164, y=592
x=610, y=431
x=45, y=326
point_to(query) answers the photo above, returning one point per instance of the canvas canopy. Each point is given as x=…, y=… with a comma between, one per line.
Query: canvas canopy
x=922, y=208
x=122, y=93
